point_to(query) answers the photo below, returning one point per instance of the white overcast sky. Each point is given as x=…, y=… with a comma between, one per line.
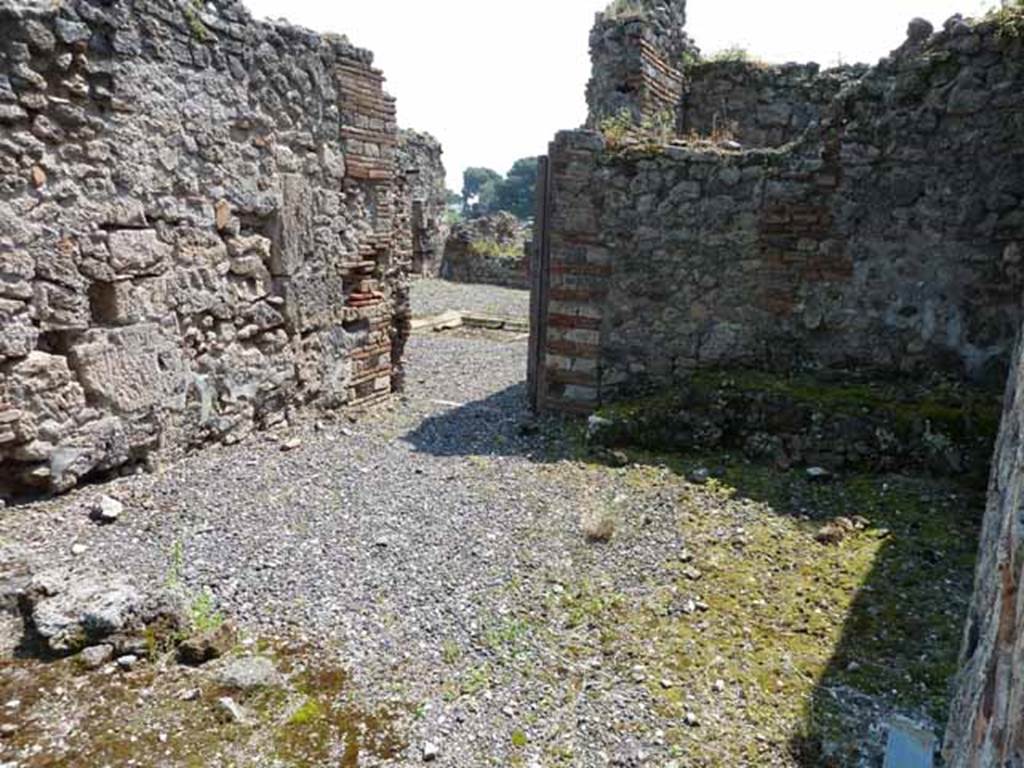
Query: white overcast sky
x=494, y=79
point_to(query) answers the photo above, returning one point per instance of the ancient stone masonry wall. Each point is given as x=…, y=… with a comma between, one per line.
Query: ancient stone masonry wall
x=759, y=105
x=197, y=225
x=638, y=48
x=489, y=249
x=888, y=239
x=422, y=174
x=985, y=724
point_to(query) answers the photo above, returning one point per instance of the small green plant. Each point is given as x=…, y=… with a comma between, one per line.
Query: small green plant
x=1009, y=20
x=195, y=24
x=450, y=652
x=731, y=53
x=204, y=617
x=495, y=250
x=176, y=566
x=519, y=740
x=476, y=680
x=689, y=59
x=659, y=127
x=622, y=129
x=617, y=129
x=310, y=711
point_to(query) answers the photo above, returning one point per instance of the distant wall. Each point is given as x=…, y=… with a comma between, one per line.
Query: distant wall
x=888, y=239
x=489, y=249
x=422, y=178
x=197, y=231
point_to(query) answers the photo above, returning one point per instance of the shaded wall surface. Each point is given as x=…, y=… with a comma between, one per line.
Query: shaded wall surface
x=985, y=726
x=197, y=231
x=887, y=238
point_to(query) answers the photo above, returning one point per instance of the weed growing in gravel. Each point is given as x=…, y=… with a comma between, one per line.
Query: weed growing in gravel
x=202, y=614
x=176, y=566
x=310, y=710
x=505, y=634
x=450, y=652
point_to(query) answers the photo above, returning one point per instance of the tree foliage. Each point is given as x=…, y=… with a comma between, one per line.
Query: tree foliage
x=485, y=191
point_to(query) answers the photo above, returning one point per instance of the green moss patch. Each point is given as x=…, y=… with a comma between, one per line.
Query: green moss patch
x=842, y=422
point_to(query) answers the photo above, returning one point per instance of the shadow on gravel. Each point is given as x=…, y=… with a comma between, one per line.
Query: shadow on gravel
x=908, y=561
x=498, y=425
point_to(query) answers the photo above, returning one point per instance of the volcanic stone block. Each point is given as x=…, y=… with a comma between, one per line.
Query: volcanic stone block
x=131, y=369
x=137, y=252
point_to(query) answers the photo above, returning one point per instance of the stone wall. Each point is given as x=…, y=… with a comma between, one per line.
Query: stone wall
x=985, y=725
x=638, y=49
x=489, y=249
x=422, y=173
x=197, y=231
x=888, y=239
x=759, y=105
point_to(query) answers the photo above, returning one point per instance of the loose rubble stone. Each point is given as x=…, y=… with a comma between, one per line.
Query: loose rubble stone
x=107, y=510
x=96, y=656
x=232, y=710
x=72, y=611
x=431, y=752
x=247, y=673
x=207, y=646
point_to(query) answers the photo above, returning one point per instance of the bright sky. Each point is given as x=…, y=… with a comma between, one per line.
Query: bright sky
x=495, y=79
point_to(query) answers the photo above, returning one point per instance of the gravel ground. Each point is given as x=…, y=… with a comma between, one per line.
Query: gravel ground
x=432, y=297
x=438, y=548
x=417, y=540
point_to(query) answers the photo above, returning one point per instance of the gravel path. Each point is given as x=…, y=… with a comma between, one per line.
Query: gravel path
x=432, y=297
x=420, y=539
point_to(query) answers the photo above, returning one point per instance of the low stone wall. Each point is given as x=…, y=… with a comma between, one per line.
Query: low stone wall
x=853, y=424
x=490, y=249
x=197, y=231
x=985, y=725
x=422, y=174
x=759, y=105
x=889, y=239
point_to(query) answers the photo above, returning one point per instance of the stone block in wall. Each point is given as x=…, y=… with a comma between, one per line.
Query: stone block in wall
x=59, y=307
x=137, y=253
x=312, y=300
x=128, y=302
x=45, y=390
x=99, y=446
x=131, y=369
x=295, y=226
